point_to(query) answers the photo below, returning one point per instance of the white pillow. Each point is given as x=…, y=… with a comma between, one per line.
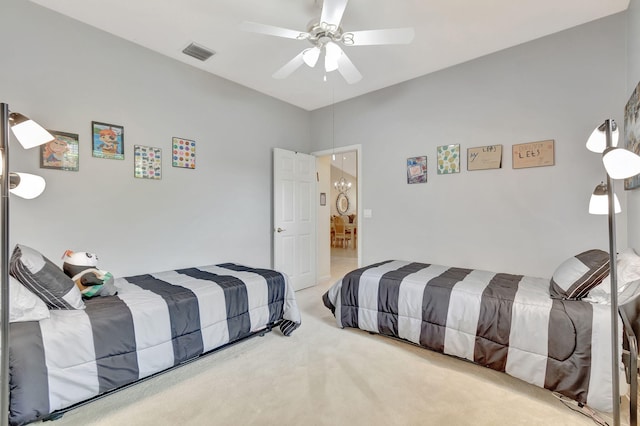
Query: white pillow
x=628, y=266
x=24, y=305
x=628, y=271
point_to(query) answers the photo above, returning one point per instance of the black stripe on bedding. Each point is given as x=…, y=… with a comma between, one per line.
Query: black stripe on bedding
x=275, y=286
x=29, y=385
x=236, y=300
x=494, y=322
x=435, y=306
x=114, y=341
x=388, y=293
x=184, y=314
x=327, y=302
x=571, y=382
x=349, y=295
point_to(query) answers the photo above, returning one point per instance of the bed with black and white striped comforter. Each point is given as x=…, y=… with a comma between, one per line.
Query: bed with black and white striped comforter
x=506, y=322
x=155, y=322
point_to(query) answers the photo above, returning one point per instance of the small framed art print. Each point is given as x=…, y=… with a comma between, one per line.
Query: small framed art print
x=61, y=153
x=484, y=157
x=147, y=162
x=417, y=169
x=533, y=154
x=448, y=159
x=107, y=140
x=183, y=153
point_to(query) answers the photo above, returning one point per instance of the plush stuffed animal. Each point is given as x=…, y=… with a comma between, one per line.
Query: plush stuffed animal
x=82, y=268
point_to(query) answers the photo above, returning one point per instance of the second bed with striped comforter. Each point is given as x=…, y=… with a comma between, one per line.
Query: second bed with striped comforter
x=506, y=322
x=155, y=322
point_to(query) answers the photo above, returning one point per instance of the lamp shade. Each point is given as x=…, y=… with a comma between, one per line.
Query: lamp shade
x=597, y=142
x=26, y=185
x=310, y=56
x=331, y=56
x=28, y=132
x=599, y=203
x=621, y=163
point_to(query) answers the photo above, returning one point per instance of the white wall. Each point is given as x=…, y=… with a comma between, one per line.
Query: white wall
x=65, y=74
x=521, y=221
x=633, y=77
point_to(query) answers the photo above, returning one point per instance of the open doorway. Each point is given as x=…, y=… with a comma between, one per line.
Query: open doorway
x=339, y=227
x=344, y=212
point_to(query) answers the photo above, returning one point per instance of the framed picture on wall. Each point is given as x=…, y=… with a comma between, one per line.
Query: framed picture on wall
x=147, y=162
x=61, y=153
x=417, y=169
x=448, y=159
x=484, y=157
x=107, y=140
x=632, y=132
x=183, y=153
x=533, y=154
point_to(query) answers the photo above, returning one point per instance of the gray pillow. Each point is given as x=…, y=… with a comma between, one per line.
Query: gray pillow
x=44, y=279
x=577, y=275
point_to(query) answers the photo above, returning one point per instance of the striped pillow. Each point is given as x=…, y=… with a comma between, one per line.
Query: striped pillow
x=577, y=275
x=44, y=279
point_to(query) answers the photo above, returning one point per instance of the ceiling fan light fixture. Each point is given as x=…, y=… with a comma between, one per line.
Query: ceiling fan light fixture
x=310, y=56
x=326, y=36
x=331, y=56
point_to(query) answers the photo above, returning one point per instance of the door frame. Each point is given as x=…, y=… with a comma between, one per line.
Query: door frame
x=361, y=222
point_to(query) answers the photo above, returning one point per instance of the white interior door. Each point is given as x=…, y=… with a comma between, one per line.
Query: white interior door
x=294, y=216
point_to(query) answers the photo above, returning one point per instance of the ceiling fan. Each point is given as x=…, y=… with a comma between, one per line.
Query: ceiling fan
x=326, y=35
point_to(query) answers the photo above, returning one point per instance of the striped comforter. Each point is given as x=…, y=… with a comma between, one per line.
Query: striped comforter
x=155, y=322
x=505, y=322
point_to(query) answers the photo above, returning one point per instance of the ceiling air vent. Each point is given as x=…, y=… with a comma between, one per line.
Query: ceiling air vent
x=199, y=52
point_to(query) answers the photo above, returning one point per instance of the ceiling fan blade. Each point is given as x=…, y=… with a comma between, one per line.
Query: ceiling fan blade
x=254, y=27
x=332, y=53
x=373, y=37
x=332, y=11
x=348, y=70
x=290, y=67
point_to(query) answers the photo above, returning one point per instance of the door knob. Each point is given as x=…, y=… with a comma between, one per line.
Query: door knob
x=280, y=229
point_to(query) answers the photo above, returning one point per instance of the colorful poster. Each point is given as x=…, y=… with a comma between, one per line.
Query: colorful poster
x=107, y=140
x=147, y=162
x=632, y=132
x=448, y=159
x=184, y=153
x=417, y=169
x=61, y=153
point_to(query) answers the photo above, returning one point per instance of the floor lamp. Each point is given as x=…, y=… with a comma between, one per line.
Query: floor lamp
x=25, y=185
x=619, y=164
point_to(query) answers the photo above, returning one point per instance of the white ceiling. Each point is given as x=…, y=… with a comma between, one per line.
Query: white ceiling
x=447, y=32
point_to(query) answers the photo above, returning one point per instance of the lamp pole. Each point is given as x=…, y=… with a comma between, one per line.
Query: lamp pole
x=615, y=355
x=4, y=264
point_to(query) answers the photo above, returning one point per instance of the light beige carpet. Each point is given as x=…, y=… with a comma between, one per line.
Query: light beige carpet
x=324, y=375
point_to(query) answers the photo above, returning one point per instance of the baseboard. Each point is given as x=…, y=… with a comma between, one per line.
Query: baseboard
x=323, y=279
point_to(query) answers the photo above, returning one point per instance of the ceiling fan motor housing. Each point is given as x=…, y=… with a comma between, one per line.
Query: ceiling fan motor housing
x=321, y=33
